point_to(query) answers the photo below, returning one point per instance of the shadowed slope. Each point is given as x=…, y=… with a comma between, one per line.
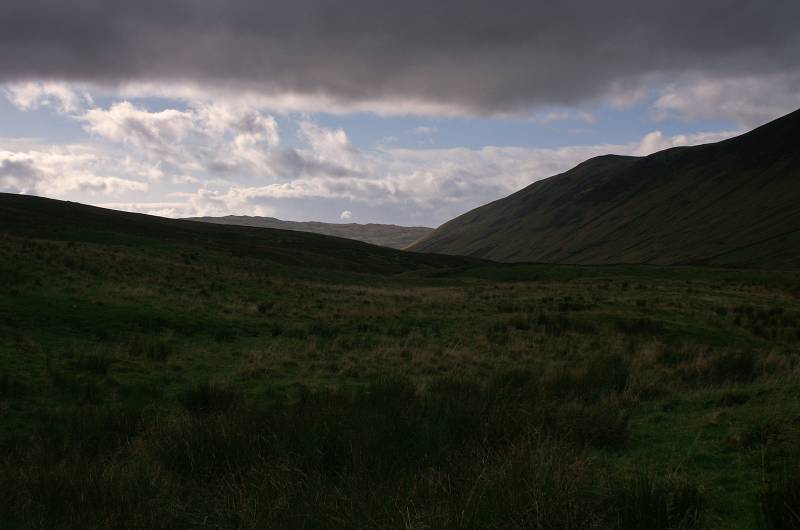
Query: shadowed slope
x=392, y=236
x=732, y=203
x=40, y=218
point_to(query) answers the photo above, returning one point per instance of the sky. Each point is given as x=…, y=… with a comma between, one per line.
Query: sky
x=360, y=111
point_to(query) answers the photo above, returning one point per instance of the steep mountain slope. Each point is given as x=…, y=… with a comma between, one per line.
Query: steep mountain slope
x=732, y=203
x=392, y=236
x=270, y=250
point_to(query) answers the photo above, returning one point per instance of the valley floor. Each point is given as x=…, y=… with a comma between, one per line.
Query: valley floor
x=148, y=386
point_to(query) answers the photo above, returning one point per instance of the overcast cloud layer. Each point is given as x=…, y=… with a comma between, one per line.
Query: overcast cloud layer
x=442, y=56
x=357, y=110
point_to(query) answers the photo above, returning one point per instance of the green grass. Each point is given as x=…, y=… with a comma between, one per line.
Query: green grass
x=184, y=377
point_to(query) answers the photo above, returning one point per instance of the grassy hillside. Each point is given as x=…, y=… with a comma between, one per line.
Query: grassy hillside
x=733, y=203
x=168, y=374
x=391, y=236
x=280, y=250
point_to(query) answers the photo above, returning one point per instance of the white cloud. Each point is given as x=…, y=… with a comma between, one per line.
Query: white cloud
x=222, y=157
x=223, y=139
x=124, y=122
x=162, y=209
x=656, y=141
x=346, y=215
x=185, y=179
x=56, y=171
x=34, y=94
x=443, y=182
x=562, y=115
x=331, y=149
x=749, y=100
x=424, y=130
x=208, y=137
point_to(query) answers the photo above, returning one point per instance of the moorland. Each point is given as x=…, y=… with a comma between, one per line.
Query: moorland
x=157, y=373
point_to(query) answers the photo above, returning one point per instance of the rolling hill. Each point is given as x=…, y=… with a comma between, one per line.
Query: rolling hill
x=278, y=250
x=731, y=203
x=392, y=236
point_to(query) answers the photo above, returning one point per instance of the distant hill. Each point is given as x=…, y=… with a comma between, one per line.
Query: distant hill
x=392, y=236
x=731, y=203
x=271, y=250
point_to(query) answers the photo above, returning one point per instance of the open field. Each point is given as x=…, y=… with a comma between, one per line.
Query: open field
x=171, y=377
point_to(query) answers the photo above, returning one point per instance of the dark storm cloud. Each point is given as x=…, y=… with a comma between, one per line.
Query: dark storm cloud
x=483, y=56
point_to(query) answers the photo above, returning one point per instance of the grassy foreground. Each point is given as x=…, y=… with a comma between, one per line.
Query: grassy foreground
x=161, y=379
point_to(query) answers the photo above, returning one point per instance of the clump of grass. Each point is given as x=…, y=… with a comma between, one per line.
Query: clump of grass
x=780, y=500
x=734, y=398
x=157, y=348
x=601, y=375
x=556, y=326
x=11, y=387
x=82, y=494
x=762, y=432
x=533, y=484
x=206, y=397
x=649, y=502
x=497, y=332
x=606, y=374
x=673, y=356
x=601, y=424
x=640, y=326
x=95, y=363
x=225, y=334
x=735, y=366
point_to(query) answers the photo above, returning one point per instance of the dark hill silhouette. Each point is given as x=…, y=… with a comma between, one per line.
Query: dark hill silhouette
x=392, y=236
x=731, y=203
x=33, y=217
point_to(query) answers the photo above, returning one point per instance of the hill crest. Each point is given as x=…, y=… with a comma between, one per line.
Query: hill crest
x=386, y=235
x=730, y=203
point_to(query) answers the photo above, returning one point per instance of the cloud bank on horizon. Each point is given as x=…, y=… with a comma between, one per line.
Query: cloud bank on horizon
x=408, y=112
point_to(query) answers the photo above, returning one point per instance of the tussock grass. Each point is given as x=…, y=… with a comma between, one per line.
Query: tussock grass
x=648, y=501
x=780, y=499
x=160, y=377
x=454, y=455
